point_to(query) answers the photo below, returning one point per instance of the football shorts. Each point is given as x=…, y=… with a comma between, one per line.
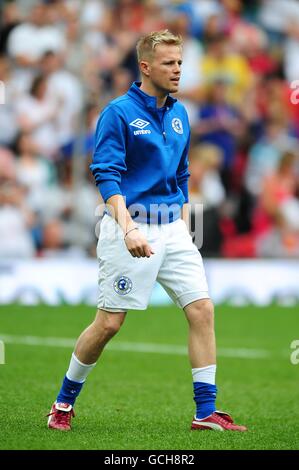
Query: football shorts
x=126, y=283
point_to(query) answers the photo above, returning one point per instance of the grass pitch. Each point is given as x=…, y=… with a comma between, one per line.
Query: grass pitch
x=142, y=399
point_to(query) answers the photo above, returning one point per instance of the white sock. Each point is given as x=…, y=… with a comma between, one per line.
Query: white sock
x=205, y=374
x=77, y=371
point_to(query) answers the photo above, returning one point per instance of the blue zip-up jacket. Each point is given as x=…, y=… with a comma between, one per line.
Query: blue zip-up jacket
x=141, y=152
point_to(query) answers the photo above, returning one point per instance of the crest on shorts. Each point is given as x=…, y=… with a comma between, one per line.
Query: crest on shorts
x=122, y=285
x=177, y=125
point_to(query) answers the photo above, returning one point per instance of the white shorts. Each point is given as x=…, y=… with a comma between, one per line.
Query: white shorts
x=126, y=283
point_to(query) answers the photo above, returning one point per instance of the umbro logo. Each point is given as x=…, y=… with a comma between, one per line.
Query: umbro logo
x=140, y=124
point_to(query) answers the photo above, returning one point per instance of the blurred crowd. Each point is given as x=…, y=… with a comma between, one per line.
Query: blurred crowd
x=62, y=61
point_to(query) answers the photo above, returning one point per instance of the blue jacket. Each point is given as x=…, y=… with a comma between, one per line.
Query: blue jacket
x=141, y=152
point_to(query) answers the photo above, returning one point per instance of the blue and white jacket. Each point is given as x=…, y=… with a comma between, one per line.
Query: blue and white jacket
x=141, y=152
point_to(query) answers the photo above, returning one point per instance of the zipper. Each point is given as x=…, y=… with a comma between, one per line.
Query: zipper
x=162, y=123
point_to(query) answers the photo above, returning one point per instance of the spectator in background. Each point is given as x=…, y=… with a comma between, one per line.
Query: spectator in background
x=38, y=114
x=265, y=154
x=33, y=172
x=220, y=124
x=16, y=219
x=28, y=41
x=93, y=13
x=7, y=165
x=10, y=18
x=281, y=20
x=251, y=41
x=232, y=17
x=89, y=46
x=291, y=49
x=71, y=224
x=200, y=14
x=206, y=193
x=272, y=16
x=121, y=79
x=77, y=53
x=137, y=17
x=276, y=218
x=128, y=20
x=15, y=222
x=65, y=89
x=278, y=189
x=220, y=64
x=58, y=206
x=154, y=17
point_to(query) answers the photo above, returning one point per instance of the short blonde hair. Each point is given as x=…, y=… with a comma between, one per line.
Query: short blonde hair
x=147, y=44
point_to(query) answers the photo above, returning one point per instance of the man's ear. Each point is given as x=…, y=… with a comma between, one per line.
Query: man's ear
x=144, y=67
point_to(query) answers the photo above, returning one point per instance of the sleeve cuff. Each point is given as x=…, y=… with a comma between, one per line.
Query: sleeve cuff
x=108, y=189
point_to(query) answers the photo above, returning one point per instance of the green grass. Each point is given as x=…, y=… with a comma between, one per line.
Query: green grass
x=144, y=400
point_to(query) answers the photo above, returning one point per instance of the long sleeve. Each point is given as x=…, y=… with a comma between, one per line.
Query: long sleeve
x=183, y=172
x=110, y=152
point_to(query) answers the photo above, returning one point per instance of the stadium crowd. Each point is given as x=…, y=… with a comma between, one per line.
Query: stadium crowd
x=61, y=61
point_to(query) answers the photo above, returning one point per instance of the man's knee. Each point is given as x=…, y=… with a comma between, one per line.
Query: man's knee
x=110, y=322
x=201, y=313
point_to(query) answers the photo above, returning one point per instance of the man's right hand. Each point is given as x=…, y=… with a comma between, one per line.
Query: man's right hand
x=137, y=244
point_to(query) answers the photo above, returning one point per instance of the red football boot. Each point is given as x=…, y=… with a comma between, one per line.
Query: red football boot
x=217, y=421
x=60, y=416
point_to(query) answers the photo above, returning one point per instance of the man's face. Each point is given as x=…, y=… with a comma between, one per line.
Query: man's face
x=164, y=70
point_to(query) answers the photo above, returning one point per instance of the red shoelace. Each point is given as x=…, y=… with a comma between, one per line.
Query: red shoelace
x=63, y=417
x=222, y=420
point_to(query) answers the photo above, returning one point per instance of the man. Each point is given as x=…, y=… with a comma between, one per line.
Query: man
x=141, y=167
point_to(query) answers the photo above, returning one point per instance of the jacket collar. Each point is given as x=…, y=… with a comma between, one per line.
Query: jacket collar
x=147, y=100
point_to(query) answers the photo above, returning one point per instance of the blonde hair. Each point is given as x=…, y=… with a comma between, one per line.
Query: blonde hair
x=147, y=44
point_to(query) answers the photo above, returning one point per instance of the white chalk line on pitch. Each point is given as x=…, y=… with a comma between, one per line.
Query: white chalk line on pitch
x=134, y=347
